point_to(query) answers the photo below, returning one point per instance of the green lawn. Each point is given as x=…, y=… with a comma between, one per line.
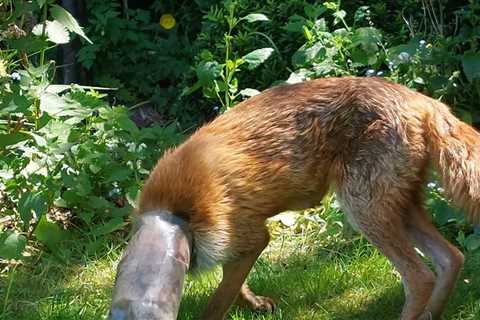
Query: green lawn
x=311, y=276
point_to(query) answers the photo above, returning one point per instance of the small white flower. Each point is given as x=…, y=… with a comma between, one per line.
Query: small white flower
x=335, y=204
x=370, y=72
x=441, y=190
x=15, y=76
x=380, y=73
x=422, y=43
x=404, y=56
x=431, y=185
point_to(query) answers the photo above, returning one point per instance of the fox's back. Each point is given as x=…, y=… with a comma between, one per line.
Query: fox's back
x=291, y=140
x=294, y=137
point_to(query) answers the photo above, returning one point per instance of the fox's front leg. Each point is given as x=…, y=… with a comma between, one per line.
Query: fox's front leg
x=232, y=285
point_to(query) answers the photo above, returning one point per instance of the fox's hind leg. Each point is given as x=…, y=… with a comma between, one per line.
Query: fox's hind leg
x=375, y=192
x=447, y=259
x=382, y=225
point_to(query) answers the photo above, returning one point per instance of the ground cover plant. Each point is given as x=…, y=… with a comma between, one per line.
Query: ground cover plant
x=73, y=156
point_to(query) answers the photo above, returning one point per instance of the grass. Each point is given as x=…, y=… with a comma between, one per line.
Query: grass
x=311, y=274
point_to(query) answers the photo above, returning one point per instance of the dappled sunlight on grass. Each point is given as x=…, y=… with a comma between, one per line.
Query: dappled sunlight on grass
x=345, y=279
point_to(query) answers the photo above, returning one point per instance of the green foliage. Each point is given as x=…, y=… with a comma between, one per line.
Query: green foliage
x=451, y=220
x=64, y=151
x=218, y=79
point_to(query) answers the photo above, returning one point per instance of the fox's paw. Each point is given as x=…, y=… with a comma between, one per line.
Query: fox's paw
x=260, y=303
x=257, y=303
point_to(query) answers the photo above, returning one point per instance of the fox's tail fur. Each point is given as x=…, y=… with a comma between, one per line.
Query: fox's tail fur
x=455, y=152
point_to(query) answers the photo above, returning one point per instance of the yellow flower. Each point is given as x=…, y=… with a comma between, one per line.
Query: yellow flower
x=167, y=21
x=3, y=69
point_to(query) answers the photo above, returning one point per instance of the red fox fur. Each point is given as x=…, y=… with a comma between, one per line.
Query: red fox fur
x=372, y=141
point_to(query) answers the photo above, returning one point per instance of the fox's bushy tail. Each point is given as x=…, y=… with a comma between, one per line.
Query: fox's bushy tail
x=455, y=152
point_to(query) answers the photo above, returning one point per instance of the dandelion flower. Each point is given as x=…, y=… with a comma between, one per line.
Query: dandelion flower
x=167, y=21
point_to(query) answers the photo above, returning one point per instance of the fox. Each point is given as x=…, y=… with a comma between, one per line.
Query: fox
x=371, y=141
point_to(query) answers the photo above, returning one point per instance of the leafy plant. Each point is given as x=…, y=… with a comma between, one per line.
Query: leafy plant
x=67, y=157
x=219, y=80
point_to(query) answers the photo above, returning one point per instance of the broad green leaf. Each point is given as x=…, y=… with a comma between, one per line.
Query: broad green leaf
x=98, y=203
x=117, y=172
x=52, y=104
x=126, y=124
x=306, y=55
x=295, y=77
x=84, y=184
x=295, y=24
x=12, y=245
x=19, y=103
x=252, y=17
x=68, y=21
x=362, y=57
x=443, y=212
x=257, y=57
x=472, y=242
x=249, y=92
x=367, y=38
x=12, y=138
x=419, y=80
x=57, y=106
x=112, y=225
x=471, y=65
x=313, y=11
x=54, y=30
x=39, y=140
x=49, y=233
x=30, y=204
x=208, y=71
x=29, y=44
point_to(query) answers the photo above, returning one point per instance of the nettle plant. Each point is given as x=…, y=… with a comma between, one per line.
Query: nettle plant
x=219, y=79
x=332, y=47
x=66, y=157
